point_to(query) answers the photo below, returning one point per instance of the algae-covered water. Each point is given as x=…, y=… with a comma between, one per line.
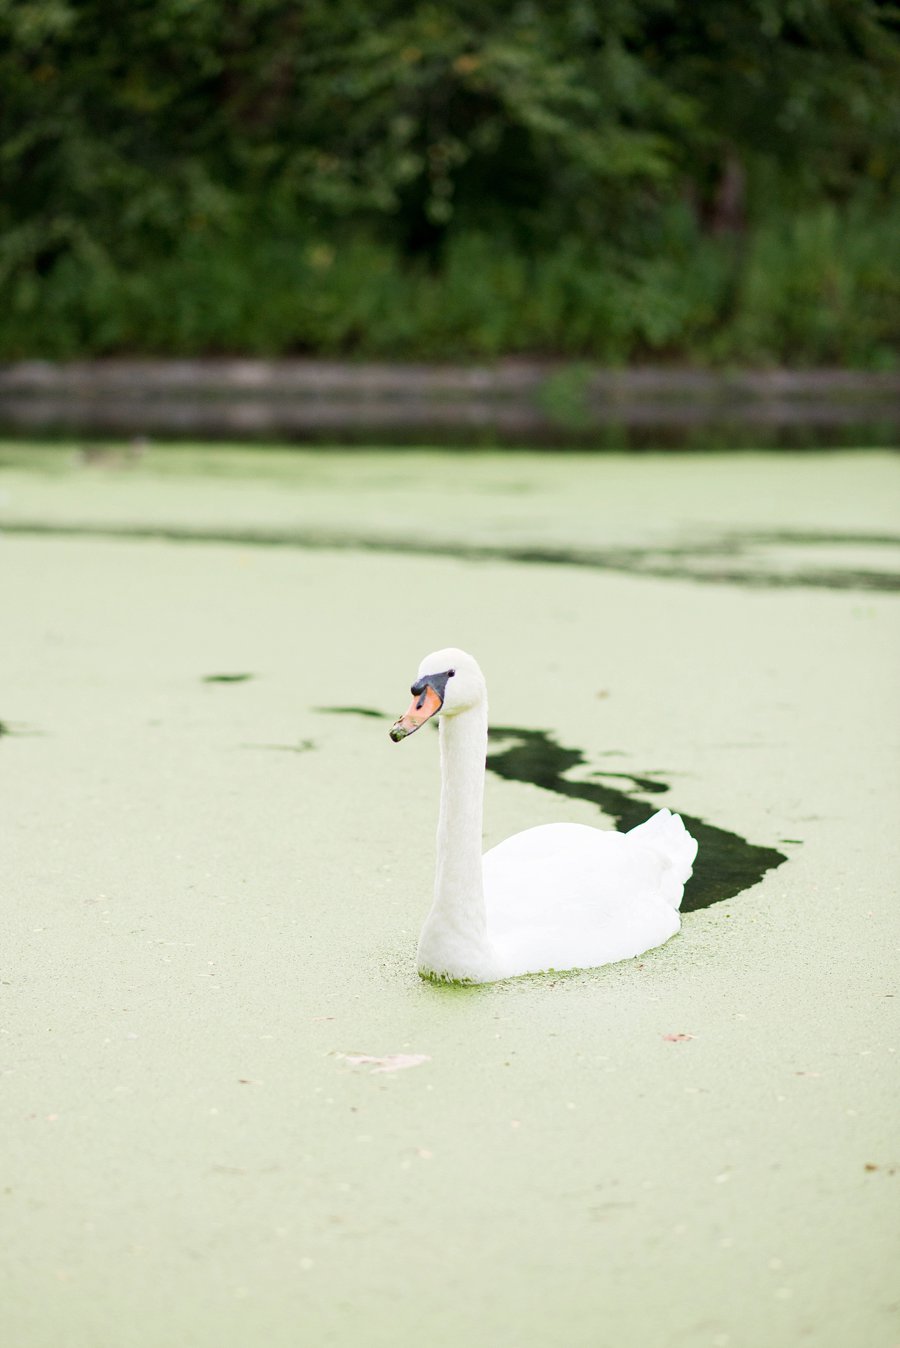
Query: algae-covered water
x=215, y=864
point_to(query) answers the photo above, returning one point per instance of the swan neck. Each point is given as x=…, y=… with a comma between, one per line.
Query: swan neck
x=459, y=889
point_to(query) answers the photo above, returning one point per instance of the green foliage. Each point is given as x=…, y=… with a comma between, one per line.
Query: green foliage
x=825, y=284
x=809, y=288
x=612, y=179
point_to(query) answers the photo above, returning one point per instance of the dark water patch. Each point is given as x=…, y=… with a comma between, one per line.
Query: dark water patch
x=817, y=536
x=301, y=747
x=352, y=711
x=9, y=731
x=228, y=678
x=726, y=865
x=728, y=560
x=649, y=785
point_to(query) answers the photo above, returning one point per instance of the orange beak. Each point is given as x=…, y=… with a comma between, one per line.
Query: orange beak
x=420, y=710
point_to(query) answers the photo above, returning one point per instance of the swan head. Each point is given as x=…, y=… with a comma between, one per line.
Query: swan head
x=448, y=681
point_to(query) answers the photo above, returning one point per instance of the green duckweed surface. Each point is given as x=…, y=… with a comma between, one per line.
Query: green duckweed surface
x=212, y=887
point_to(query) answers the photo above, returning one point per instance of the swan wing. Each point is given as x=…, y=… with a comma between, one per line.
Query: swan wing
x=567, y=896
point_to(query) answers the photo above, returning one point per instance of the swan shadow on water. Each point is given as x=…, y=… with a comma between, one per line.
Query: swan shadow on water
x=726, y=864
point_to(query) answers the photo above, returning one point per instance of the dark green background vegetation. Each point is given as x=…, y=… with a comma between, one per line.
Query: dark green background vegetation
x=704, y=179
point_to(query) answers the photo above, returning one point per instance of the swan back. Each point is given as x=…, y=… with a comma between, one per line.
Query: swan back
x=567, y=896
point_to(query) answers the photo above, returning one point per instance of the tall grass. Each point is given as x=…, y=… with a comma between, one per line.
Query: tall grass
x=816, y=287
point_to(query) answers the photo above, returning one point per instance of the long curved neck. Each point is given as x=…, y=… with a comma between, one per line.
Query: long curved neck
x=458, y=885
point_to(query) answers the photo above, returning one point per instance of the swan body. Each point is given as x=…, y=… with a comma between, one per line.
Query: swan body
x=555, y=897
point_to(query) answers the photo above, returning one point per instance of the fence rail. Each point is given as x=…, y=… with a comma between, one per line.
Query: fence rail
x=513, y=399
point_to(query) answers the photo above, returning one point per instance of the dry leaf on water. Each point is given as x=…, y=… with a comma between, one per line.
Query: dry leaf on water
x=391, y=1062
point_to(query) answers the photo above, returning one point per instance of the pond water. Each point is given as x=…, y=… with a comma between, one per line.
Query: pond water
x=221, y=1073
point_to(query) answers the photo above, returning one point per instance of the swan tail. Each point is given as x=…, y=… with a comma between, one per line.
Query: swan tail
x=665, y=833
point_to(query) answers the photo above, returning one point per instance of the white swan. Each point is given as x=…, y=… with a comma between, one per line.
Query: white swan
x=559, y=896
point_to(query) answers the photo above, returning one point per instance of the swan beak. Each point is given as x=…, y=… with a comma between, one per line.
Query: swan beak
x=421, y=709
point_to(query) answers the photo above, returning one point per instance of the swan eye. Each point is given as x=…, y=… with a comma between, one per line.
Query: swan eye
x=450, y=673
